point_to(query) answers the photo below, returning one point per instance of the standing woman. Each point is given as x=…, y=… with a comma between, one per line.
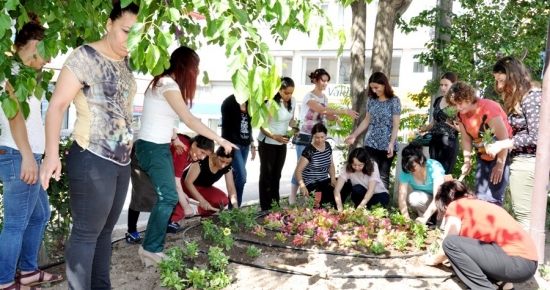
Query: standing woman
x=314, y=111
x=479, y=117
x=522, y=104
x=237, y=128
x=167, y=98
x=444, y=142
x=97, y=77
x=272, y=144
x=26, y=207
x=382, y=121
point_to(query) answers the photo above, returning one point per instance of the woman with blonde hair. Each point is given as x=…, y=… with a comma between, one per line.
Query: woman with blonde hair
x=522, y=104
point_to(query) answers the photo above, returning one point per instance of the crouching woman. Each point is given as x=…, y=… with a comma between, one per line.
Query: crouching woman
x=484, y=244
x=198, y=180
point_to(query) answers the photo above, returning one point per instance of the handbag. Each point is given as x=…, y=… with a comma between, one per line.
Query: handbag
x=302, y=139
x=423, y=140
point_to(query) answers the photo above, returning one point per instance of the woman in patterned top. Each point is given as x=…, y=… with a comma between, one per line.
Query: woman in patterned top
x=382, y=121
x=314, y=111
x=522, y=104
x=444, y=142
x=315, y=170
x=97, y=77
x=481, y=121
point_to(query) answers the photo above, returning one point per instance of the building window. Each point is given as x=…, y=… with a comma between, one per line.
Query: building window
x=418, y=67
x=330, y=64
x=287, y=67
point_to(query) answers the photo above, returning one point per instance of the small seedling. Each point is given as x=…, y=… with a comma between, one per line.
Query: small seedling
x=191, y=250
x=217, y=259
x=280, y=237
x=253, y=251
x=450, y=111
x=377, y=248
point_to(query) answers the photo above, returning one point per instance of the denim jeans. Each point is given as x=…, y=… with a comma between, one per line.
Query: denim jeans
x=299, y=150
x=97, y=190
x=485, y=189
x=156, y=160
x=239, y=171
x=26, y=212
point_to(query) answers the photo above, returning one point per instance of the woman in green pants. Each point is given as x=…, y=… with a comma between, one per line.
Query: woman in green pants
x=166, y=98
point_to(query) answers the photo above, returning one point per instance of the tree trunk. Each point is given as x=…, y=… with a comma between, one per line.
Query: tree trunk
x=441, y=39
x=382, y=47
x=357, y=54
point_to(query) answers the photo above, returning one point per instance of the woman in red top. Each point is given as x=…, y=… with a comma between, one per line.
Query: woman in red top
x=481, y=118
x=484, y=243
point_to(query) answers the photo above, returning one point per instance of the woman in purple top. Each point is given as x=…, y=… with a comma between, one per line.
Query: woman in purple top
x=522, y=105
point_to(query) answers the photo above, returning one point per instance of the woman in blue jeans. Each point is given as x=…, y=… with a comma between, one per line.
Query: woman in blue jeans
x=237, y=129
x=26, y=207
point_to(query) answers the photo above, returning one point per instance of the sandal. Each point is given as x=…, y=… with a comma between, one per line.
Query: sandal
x=17, y=286
x=40, y=280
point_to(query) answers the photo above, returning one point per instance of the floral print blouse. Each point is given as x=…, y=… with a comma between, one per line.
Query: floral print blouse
x=525, y=126
x=440, y=121
x=381, y=122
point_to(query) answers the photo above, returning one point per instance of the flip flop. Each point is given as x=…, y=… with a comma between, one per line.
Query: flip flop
x=53, y=278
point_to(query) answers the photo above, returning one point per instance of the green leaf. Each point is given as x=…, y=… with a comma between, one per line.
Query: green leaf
x=284, y=11
x=11, y=4
x=174, y=14
x=240, y=14
x=43, y=50
x=125, y=3
x=25, y=109
x=320, y=40
x=10, y=107
x=164, y=39
x=205, y=78
x=240, y=82
x=5, y=21
x=152, y=56
x=133, y=41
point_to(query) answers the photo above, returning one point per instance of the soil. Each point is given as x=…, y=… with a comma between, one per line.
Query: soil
x=127, y=272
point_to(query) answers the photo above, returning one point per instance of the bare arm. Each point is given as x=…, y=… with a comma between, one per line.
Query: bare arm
x=452, y=228
x=337, y=197
x=498, y=126
x=182, y=198
x=332, y=171
x=362, y=127
x=192, y=175
x=18, y=128
x=395, y=129
x=432, y=207
x=175, y=100
x=369, y=194
x=466, y=150
x=65, y=91
x=428, y=127
x=231, y=190
x=402, y=199
x=318, y=108
x=302, y=163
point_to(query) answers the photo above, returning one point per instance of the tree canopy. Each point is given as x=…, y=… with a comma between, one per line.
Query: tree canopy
x=481, y=33
x=232, y=24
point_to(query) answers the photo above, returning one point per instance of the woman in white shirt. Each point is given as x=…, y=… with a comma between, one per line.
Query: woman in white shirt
x=272, y=144
x=167, y=97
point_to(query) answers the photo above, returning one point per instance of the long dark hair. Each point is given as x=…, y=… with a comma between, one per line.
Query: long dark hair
x=381, y=79
x=203, y=143
x=449, y=76
x=221, y=153
x=286, y=82
x=184, y=65
x=411, y=154
x=448, y=192
x=361, y=155
x=517, y=85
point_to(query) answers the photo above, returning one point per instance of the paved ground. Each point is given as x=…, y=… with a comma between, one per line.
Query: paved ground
x=250, y=195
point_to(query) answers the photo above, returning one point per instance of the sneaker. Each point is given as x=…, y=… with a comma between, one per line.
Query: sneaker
x=173, y=227
x=133, y=238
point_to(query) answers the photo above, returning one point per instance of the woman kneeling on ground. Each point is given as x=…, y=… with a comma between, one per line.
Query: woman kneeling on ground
x=484, y=243
x=418, y=181
x=198, y=180
x=367, y=189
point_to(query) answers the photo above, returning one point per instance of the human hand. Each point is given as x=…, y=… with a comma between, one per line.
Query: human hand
x=253, y=153
x=303, y=190
x=431, y=260
x=353, y=114
x=188, y=210
x=497, y=172
x=422, y=129
x=280, y=138
x=51, y=165
x=421, y=219
x=390, y=150
x=333, y=181
x=454, y=124
x=179, y=146
x=228, y=146
x=350, y=140
x=29, y=170
x=465, y=169
x=493, y=149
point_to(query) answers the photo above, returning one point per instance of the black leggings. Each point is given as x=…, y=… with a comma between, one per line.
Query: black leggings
x=384, y=163
x=445, y=150
x=133, y=216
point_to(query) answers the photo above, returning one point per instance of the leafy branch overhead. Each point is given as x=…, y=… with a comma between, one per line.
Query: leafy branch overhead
x=230, y=24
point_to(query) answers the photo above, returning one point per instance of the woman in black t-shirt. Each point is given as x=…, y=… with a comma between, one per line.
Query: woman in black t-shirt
x=198, y=180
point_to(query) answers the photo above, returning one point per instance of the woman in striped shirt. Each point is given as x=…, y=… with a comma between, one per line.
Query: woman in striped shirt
x=315, y=170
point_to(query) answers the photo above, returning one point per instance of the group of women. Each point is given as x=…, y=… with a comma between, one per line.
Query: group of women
x=99, y=172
